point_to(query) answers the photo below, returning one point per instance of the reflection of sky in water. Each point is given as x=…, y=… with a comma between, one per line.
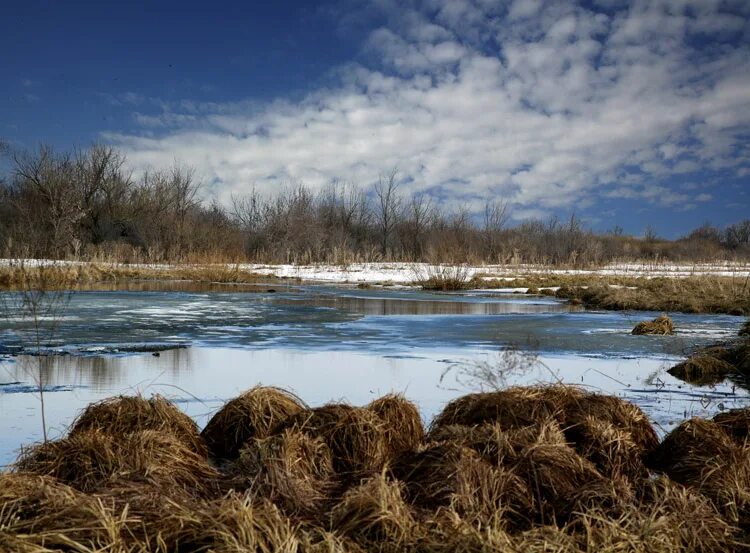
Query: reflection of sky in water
x=328, y=344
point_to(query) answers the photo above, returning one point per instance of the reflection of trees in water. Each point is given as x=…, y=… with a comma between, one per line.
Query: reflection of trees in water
x=102, y=372
x=180, y=286
x=390, y=306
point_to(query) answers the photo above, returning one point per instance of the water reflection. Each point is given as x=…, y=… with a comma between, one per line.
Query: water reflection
x=200, y=379
x=99, y=373
x=445, y=306
x=190, y=286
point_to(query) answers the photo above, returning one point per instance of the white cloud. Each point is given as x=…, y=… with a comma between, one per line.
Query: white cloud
x=548, y=102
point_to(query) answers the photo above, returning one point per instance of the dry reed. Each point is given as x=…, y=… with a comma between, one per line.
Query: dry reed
x=291, y=469
x=566, y=475
x=92, y=460
x=251, y=415
x=661, y=325
x=402, y=423
x=702, y=369
x=683, y=453
x=355, y=436
x=125, y=414
x=736, y=423
x=374, y=512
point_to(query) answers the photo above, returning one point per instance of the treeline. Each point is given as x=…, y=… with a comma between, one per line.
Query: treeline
x=87, y=205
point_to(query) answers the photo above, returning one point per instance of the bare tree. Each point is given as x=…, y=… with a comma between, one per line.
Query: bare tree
x=387, y=208
x=50, y=178
x=419, y=214
x=247, y=210
x=104, y=189
x=737, y=235
x=495, y=217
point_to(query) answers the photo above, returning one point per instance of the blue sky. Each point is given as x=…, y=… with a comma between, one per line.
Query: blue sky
x=625, y=112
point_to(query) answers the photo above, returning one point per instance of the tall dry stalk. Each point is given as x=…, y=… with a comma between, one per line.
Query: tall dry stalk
x=38, y=302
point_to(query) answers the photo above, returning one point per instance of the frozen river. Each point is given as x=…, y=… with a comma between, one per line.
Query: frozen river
x=203, y=344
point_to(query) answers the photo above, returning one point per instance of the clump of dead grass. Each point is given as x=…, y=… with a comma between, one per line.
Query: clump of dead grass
x=125, y=414
x=662, y=325
x=611, y=410
x=514, y=407
x=251, y=415
x=402, y=423
x=741, y=357
x=92, y=460
x=291, y=469
x=702, y=369
x=447, y=474
x=564, y=473
x=736, y=423
x=375, y=513
x=726, y=481
x=237, y=524
x=355, y=436
x=555, y=474
x=613, y=451
x=38, y=513
x=683, y=453
x=672, y=519
x=709, y=457
x=572, y=408
x=436, y=472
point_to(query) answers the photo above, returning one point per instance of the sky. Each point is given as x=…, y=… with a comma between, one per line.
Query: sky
x=626, y=113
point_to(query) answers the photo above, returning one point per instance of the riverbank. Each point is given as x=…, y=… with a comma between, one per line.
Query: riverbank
x=526, y=468
x=699, y=288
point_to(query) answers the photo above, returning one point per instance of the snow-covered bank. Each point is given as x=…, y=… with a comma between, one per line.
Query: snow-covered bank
x=408, y=273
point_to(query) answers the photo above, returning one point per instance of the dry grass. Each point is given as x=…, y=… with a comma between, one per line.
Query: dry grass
x=613, y=451
x=693, y=294
x=736, y=423
x=402, y=423
x=556, y=474
x=291, y=469
x=92, y=460
x=355, y=436
x=565, y=474
x=683, y=454
x=671, y=519
x=442, y=278
x=515, y=407
x=688, y=295
x=661, y=325
x=251, y=415
x=448, y=474
x=713, y=364
x=702, y=369
x=63, y=275
x=741, y=357
x=374, y=512
x=615, y=411
x=125, y=414
x=521, y=407
x=40, y=513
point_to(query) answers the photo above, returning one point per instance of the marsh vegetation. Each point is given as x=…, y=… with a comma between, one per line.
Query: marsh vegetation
x=525, y=468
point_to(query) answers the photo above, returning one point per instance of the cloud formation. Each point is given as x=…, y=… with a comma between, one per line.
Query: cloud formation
x=551, y=104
